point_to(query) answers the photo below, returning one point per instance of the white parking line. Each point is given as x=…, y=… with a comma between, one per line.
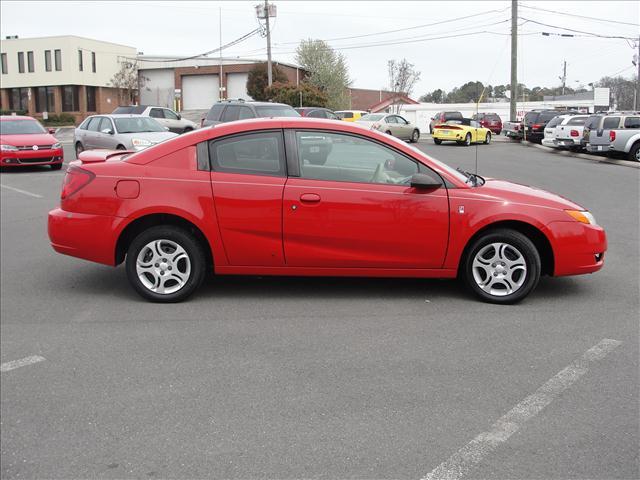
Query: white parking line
x=23, y=362
x=24, y=192
x=458, y=465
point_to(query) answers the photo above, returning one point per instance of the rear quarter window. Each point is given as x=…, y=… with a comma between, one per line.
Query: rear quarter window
x=632, y=122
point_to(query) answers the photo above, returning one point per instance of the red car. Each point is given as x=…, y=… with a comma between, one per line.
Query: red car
x=25, y=142
x=243, y=198
x=492, y=121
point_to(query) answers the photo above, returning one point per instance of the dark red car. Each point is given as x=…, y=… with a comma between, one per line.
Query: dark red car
x=317, y=112
x=243, y=198
x=492, y=121
x=25, y=142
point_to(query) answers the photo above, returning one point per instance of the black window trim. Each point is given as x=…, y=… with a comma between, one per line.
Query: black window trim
x=282, y=173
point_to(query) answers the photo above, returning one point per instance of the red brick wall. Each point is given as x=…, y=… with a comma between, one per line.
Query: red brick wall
x=363, y=99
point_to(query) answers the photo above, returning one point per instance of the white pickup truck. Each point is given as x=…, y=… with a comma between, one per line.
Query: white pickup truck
x=627, y=141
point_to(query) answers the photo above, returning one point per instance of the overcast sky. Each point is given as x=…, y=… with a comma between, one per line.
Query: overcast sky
x=188, y=28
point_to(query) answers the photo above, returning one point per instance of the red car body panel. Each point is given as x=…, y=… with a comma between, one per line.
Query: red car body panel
x=33, y=151
x=335, y=229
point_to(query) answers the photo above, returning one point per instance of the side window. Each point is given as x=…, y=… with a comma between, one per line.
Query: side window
x=214, y=113
x=231, y=113
x=332, y=115
x=401, y=120
x=317, y=114
x=94, y=124
x=390, y=119
x=156, y=113
x=170, y=114
x=106, y=124
x=251, y=154
x=632, y=122
x=245, y=112
x=610, y=122
x=348, y=158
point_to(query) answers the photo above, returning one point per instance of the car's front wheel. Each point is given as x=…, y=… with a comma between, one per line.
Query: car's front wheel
x=415, y=136
x=502, y=266
x=165, y=264
x=487, y=139
x=437, y=141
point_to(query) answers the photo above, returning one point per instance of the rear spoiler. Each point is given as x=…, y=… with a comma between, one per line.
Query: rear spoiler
x=96, y=156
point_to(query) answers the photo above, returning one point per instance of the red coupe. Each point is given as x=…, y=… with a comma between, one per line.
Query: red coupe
x=251, y=198
x=23, y=142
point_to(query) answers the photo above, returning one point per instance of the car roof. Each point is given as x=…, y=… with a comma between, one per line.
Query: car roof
x=15, y=117
x=257, y=104
x=119, y=115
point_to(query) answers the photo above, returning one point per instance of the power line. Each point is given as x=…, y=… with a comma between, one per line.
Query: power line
x=577, y=31
x=579, y=16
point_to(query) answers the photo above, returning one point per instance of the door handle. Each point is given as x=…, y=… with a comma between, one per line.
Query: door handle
x=309, y=198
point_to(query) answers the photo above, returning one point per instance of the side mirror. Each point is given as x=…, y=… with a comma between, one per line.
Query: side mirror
x=108, y=131
x=166, y=128
x=52, y=131
x=425, y=181
x=179, y=116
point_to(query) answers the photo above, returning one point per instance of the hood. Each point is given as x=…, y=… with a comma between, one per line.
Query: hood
x=30, y=139
x=155, y=137
x=518, y=193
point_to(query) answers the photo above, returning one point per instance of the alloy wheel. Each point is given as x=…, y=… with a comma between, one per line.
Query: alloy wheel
x=499, y=269
x=163, y=266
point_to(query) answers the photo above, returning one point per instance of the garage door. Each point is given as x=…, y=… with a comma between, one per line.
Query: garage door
x=199, y=92
x=237, y=86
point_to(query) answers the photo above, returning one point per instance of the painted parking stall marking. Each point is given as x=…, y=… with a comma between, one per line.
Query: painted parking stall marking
x=458, y=465
x=23, y=362
x=18, y=190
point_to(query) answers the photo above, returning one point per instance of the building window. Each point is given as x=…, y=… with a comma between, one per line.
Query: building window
x=4, y=63
x=93, y=62
x=45, y=99
x=30, y=65
x=58, y=60
x=80, y=59
x=91, y=99
x=47, y=60
x=70, y=101
x=19, y=99
x=21, y=62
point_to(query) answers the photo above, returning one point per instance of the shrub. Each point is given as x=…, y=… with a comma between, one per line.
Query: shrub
x=291, y=95
x=11, y=112
x=258, y=81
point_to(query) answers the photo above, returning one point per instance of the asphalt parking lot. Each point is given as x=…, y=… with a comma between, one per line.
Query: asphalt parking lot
x=323, y=378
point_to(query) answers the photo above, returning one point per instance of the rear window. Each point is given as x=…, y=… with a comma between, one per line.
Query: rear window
x=554, y=121
x=610, y=122
x=577, y=121
x=492, y=117
x=531, y=117
x=592, y=122
x=276, y=111
x=344, y=114
x=632, y=122
x=544, y=117
x=214, y=113
x=133, y=109
x=452, y=116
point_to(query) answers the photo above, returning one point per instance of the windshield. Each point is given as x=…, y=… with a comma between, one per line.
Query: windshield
x=137, y=125
x=451, y=171
x=370, y=118
x=276, y=111
x=136, y=109
x=20, y=127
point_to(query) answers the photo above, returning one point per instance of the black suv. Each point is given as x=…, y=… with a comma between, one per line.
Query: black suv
x=535, y=122
x=230, y=110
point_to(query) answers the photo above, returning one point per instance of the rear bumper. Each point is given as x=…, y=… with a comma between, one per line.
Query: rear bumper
x=578, y=248
x=597, y=148
x=27, y=158
x=91, y=237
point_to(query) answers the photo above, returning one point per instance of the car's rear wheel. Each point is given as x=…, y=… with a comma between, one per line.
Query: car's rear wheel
x=415, y=136
x=634, y=153
x=121, y=147
x=56, y=166
x=437, y=141
x=165, y=264
x=79, y=149
x=502, y=266
x=487, y=139
x=467, y=140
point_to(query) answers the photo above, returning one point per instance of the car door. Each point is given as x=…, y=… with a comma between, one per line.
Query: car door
x=391, y=125
x=172, y=121
x=247, y=180
x=88, y=137
x=404, y=128
x=358, y=210
x=104, y=139
x=158, y=115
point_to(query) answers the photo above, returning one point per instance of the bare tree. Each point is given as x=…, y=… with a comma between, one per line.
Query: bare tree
x=126, y=81
x=402, y=78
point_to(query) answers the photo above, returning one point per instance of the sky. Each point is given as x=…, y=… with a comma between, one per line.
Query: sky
x=184, y=28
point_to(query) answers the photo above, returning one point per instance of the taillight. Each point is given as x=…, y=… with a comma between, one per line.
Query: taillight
x=612, y=135
x=536, y=126
x=575, y=133
x=75, y=179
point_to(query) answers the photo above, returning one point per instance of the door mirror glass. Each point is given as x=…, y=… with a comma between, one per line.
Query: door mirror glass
x=425, y=181
x=107, y=131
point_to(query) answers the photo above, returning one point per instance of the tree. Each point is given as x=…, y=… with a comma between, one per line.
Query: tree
x=258, y=80
x=402, y=78
x=621, y=91
x=437, y=96
x=303, y=95
x=469, y=92
x=126, y=81
x=327, y=71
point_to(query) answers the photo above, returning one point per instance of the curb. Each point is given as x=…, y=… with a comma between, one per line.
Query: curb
x=583, y=156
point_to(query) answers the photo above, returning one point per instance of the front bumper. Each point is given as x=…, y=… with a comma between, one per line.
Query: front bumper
x=578, y=248
x=87, y=236
x=25, y=158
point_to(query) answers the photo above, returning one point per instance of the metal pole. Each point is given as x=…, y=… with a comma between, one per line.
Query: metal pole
x=269, y=73
x=637, y=102
x=514, y=60
x=564, y=76
x=220, y=92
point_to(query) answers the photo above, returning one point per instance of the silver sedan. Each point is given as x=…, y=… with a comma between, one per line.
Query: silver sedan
x=391, y=124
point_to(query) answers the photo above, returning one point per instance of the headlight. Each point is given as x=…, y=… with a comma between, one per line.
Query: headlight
x=140, y=143
x=582, y=216
x=8, y=148
x=56, y=145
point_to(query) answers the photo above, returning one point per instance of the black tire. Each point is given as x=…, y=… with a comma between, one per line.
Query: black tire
x=196, y=258
x=56, y=166
x=79, y=149
x=437, y=141
x=487, y=139
x=516, y=242
x=388, y=132
x=120, y=147
x=634, y=153
x=467, y=140
x=415, y=136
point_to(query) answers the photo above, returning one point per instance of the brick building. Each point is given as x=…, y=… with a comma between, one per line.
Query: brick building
x=67, y=74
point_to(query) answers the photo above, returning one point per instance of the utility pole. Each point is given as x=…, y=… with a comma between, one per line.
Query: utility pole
x=514, y=60
x=564, y=76
x=637, y=102
x=269, y=73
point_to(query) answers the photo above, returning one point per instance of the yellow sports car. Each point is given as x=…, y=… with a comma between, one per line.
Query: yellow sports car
x=463, y=132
